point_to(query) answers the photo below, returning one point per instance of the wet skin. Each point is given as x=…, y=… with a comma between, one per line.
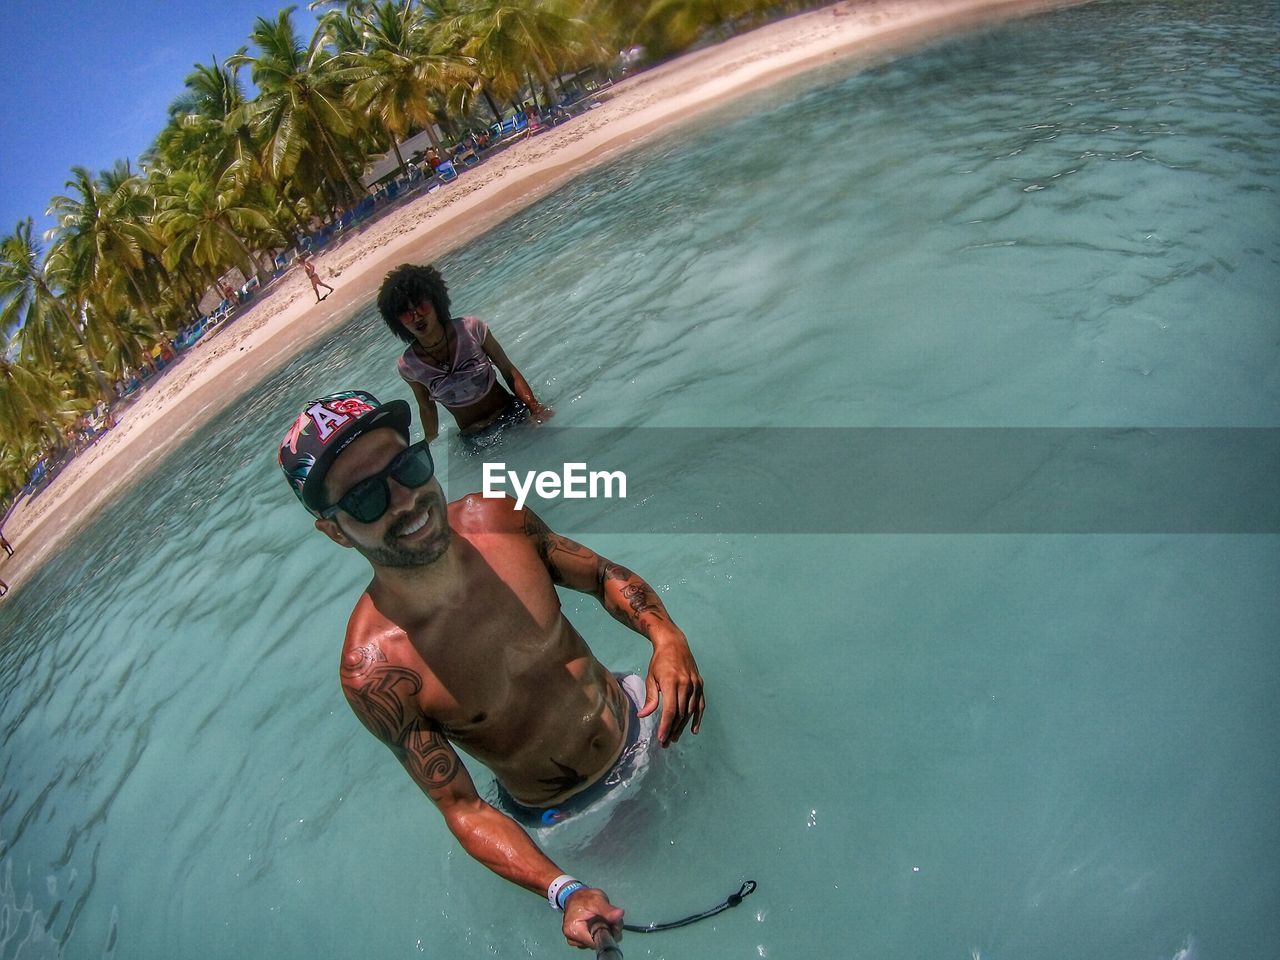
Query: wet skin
x=460, y=639
x=434, y=342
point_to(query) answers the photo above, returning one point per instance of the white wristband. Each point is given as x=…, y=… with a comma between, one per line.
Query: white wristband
x=557, y=885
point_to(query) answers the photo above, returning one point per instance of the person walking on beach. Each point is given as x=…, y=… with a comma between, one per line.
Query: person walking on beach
x=316, y=283
x=453, y=361
x=5, y=544
x=459, y=640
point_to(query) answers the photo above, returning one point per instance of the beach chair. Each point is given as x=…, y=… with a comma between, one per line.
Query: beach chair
x=38, y=473
x=447, y=172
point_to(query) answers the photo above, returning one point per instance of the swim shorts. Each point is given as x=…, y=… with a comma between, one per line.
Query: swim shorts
x=632, y=759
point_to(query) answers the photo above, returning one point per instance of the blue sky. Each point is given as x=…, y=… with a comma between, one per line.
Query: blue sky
x=90, y=82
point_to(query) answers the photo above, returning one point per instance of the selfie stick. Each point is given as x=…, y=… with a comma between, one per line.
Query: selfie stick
x=606, y=947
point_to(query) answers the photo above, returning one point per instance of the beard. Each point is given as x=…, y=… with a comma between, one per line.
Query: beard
x=392, y=553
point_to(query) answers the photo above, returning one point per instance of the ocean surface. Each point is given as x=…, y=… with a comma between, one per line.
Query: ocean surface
x=925, y=745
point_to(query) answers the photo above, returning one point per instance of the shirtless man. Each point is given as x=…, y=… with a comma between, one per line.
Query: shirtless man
x=459, y=640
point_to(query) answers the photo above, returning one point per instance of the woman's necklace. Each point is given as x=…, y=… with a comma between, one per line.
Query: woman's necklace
x=429, y=353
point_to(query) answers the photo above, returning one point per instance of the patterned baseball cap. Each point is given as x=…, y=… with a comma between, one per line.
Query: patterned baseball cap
x=325, y=428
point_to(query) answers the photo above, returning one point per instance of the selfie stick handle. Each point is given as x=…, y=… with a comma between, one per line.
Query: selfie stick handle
x=606, y=947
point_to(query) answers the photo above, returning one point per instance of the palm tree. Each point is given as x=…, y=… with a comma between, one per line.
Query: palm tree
x=47, y=326
x=17, y=455
x=509, y=39
x=210, y=130
x=341, y=29
x=204, y=223
x=209, y=125
x=396, y=76
x=303, y=125
x=669, y=26
x=105, y=248
x=34, y=408
x=123, y=338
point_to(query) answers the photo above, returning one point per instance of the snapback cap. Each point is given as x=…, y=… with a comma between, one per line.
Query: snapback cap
x=325, y=428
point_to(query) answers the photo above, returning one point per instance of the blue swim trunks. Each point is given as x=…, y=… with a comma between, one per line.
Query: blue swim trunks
x=632, y=759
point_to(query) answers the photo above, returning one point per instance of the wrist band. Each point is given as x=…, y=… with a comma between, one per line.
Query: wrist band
x=553, y=891
x=568, y=890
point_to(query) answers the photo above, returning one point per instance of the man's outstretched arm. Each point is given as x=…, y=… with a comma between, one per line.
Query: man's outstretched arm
x=673, y=673
x=381, y=695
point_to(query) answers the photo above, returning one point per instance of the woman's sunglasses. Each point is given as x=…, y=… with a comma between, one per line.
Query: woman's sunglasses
x=368, y=500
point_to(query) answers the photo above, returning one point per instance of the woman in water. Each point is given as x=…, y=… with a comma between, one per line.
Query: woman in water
x=453, y=361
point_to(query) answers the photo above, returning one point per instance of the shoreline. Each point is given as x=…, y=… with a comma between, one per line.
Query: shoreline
x=282, y=321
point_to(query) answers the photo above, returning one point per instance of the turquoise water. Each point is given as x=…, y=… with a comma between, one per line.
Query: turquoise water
x=921, y=746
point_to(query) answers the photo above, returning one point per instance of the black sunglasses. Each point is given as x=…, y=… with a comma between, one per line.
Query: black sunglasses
x=368, y=500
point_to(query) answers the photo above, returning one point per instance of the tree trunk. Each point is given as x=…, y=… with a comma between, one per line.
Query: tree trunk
x=353, y=189
x=81, y=333
x=298, y=224
x=533, y=90
x=544, y=74
x=493, y=107
x=244, y=252
x=148, y=310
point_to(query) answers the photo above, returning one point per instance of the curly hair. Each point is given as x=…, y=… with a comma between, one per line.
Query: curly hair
x=407, y=286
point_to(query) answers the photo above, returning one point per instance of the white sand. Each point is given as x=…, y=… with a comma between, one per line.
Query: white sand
x=286, y=318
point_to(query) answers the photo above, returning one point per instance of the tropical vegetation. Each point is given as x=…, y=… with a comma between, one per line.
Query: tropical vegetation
x=235, y=176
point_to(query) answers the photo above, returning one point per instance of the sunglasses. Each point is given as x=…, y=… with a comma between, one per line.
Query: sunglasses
x=368, y=500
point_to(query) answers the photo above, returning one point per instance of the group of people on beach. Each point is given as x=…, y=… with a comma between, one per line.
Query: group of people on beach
x=459, y=640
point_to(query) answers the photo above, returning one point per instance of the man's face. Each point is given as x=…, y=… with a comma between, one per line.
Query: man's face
x=414, y=531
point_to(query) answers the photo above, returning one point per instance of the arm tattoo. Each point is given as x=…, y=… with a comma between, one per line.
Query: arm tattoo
x=553, y=549
x=362, y=659
x=534, y=527
x=377, y=693
x=428, y=757
x=607, y=570
x=641, y=599
x=639, y=596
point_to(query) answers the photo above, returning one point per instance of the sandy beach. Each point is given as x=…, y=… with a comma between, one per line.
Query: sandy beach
x=285, y=319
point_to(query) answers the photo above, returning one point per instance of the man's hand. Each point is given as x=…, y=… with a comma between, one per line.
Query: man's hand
x=673, y=676
x=586, y=909
x=673, y=673
x=540, y=414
